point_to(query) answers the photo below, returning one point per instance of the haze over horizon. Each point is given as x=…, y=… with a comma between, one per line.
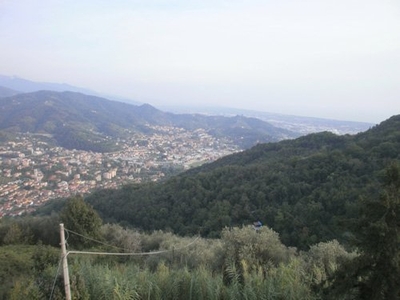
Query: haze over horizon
x=327, y=59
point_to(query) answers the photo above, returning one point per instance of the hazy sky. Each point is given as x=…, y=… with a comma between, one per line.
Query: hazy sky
x=335, y=59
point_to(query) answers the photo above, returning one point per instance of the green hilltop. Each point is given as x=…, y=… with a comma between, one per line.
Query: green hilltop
x=306, y=189
x=335, y=198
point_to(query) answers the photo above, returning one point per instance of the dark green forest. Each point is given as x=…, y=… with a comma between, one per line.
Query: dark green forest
x=306, y=189
x=330, y=206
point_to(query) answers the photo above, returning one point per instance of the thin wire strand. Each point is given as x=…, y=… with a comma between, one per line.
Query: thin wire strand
x=66, y=239
x=94, y=240
x=121, y=254
x=118, y=254
x=132, y=253
x=55, y=279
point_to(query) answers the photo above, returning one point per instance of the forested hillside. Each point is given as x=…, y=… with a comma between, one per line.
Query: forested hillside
x=306, y=189
x=6, y=92
x=79, y=121
x=120, y=263
x=310, y=193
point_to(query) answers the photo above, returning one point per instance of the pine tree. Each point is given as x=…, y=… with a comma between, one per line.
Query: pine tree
x=375, y=273
x=81, y=218
x=380, y=241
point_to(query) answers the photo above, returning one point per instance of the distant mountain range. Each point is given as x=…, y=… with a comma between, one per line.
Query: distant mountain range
x=10, y=86
x=300, y=124
x=19, y=85
x=79, y=121
x=6, y=92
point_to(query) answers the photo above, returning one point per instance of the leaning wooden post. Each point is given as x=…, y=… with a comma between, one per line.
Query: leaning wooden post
x=65, y=263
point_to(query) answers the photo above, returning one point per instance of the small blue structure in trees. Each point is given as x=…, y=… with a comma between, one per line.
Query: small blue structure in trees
x=257, y=225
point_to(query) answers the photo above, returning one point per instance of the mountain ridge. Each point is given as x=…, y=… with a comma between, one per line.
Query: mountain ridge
x=7, y=92
x=303, y=125
x=27, y=86
x=88, y=122
x=307, y=189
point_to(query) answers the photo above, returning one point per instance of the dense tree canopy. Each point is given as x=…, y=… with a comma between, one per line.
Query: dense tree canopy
x=380, y=241
x=306, y=192
x=375, y=273
x=82, y=219
x=305, y=189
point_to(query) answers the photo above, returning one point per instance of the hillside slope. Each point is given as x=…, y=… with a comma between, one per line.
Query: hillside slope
x=91, y=123
x=27, y=86
x=306, y=189
x=6, y=92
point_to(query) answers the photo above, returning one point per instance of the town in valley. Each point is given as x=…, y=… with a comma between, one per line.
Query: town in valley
x=34, y=171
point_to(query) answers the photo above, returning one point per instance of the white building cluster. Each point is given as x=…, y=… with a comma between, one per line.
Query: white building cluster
x=32, y=171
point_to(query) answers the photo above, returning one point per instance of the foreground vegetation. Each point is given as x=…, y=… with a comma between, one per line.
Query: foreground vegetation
x=244, y=263
x=330, y=206
x=306, y=189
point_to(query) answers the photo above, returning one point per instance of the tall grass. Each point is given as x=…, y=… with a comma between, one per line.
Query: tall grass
x=242, y=265
x=131, y=282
